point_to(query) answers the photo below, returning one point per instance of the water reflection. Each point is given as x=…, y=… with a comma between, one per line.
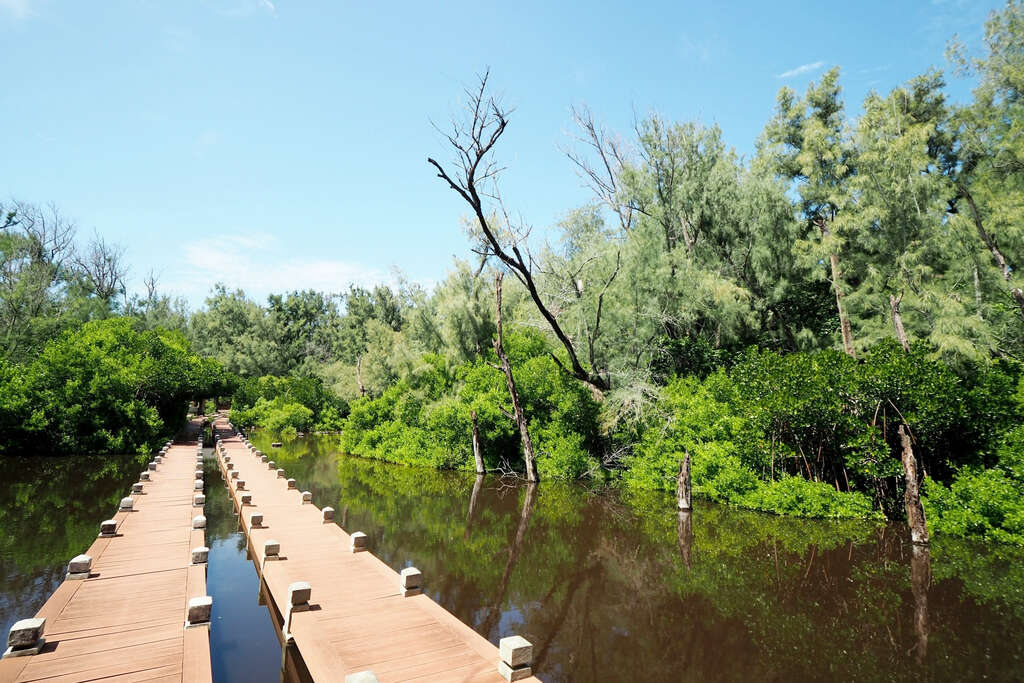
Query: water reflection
x=50, y=511
x=622, y=587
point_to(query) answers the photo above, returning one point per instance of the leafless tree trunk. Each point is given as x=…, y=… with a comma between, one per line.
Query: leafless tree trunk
x=683, y=483
x=837, y=286
x=476, y=177
x=603, y=177
x=480, y=469
x=359, y=375
x=517, y=408
x=997, y=255
x=912, y=497
x=104, y=267
x=897, y=320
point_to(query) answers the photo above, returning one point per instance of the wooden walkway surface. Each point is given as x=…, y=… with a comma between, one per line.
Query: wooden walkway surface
x=358, y=620
x=126, y=621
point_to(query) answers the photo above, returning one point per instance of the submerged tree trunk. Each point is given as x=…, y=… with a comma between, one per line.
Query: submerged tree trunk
x=477, y=457
x=920, y=580
x=912, y=497
x=844, y=321
x=897, y=321
x=517, y=409
x=683, y=484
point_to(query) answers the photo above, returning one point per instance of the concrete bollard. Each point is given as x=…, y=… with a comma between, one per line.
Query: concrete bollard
x=199, y=611
x=199, y=522
x=158, y=459
x=246, y=499
x=126, y=504
x=264, y=458
x=358, y=542
x=229, y=466
x=26, y=637
x=144, y=476
x=79, y=567
x=291, y=483
x=362, y=677
x=280, y=473
x=200, y=555
x=271, y=465
x=198, y=485
x=234, y=474
x=271, y=551
x=198, y=500
x=152, y=466
x=108, y=528
x=256, y=520
x=299, y=594
x=199, y=468
x=227, y=459
x=240, y=484
x=327, y=514
x=516, y=658
x=137, y=488
x=411, y=582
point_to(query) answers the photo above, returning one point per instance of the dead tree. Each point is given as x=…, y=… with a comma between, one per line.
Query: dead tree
x=897, y=321
x=823, y=224
x=602, y=177
x=477, y=457
x=518, y=416
x=476, y=178
x=912, y=497
x=683, y=484
x=104, y=268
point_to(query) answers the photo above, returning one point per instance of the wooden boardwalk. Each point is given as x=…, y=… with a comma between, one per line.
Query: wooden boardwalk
x=126, y=621
x=357, y=618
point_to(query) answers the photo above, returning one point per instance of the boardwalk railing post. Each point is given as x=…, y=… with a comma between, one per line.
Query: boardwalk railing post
x=200, y=555
x=359, y=542
x=299, y=594
x=328, y=514
x=411, y=582
x=26, y=637
x=271, y=551
x=516, y=658
x=199, y=522
x=199, y=611
x=246, y=497
x=126, y=504
x=307, y=497
x=79, y=567
x=108, y=528
x=198, y=500
x=256, y=520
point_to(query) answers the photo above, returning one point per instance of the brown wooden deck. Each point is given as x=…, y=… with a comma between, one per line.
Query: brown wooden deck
x=358, y=619
x=126, y=621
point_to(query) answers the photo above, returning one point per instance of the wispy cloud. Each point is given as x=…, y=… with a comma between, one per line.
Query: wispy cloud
x=19, y=9
x=244, y=8
x=260, y=264
x=802, y=69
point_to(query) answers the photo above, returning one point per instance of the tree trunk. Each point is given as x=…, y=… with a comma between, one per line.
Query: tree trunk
x=920, y=580
x=477, y=485
x=683, y=484
x=480, y=469
x=359, y=375
x=912, y=497
x=997, y=255
x=517, y=409
x=844, y=321
x=684, y=536
x=897, y=321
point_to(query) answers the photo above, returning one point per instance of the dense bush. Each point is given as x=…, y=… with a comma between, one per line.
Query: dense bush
x=106, y=387
x=294, y=403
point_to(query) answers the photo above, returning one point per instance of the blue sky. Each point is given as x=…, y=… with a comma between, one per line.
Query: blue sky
x=277, y=145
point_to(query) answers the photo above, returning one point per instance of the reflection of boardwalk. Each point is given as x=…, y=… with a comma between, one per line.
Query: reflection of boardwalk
x=126, y=620
x=356, y=618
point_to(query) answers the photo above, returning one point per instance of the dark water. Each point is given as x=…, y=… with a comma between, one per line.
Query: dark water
x=608, y=586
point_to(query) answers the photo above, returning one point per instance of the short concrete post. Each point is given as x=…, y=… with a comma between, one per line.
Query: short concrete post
x=516, y=658
x=199, y=469
x=240, y=484
x=362, y=677
x=26, y=638
x=280, y=473
x=200, y=555
x=299, y=594
x=199, y=522
x=199, y=611
x=227, y=458
x=198, y=486
x=158, y=459
x=108, y=528
x=328, y=514
x=230, y=466
x=264, y=458
x=137, y=488
x=234, y=474
x=144, y=476
x=152, y=465
x=411, y=582
x=271, y=465
x=291, y=483
x=271, y=551
x=246, y=499
x=256, y=520
x=79, y=567
x=307, y=497
x=198, y=500
x=126, y=504
x=359, y=542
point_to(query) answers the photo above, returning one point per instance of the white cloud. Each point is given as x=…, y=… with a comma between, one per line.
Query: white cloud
x=261, y=264
x=269, y=6
x=802, y=69
x=19, y=9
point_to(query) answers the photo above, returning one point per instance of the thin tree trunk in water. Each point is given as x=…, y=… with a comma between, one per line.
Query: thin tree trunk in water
x=476, y=446
x=683, y=484
x=844, y=322
x=897, y=321
x=684, y=535
x=359, y=375
x=517, y=409
x=912, y=497
x=477, y=485
x=920, y=580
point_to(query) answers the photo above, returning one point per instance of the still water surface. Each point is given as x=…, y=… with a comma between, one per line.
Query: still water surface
x=607, y=585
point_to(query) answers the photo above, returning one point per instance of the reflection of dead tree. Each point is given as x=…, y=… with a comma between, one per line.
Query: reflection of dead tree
x=518, y=415
x=920, y=580
x=475, y=178
x=478, y=457
x=494, y=612
x=576, y=580
x=684, y=536
x=477, y=485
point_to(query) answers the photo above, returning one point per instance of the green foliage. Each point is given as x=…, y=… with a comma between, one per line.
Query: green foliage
x=278, y=403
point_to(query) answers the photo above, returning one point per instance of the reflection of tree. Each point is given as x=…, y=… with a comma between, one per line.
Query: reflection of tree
x=494, y=612
x=920, y=580
x=477, y=485
x=684, y=536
